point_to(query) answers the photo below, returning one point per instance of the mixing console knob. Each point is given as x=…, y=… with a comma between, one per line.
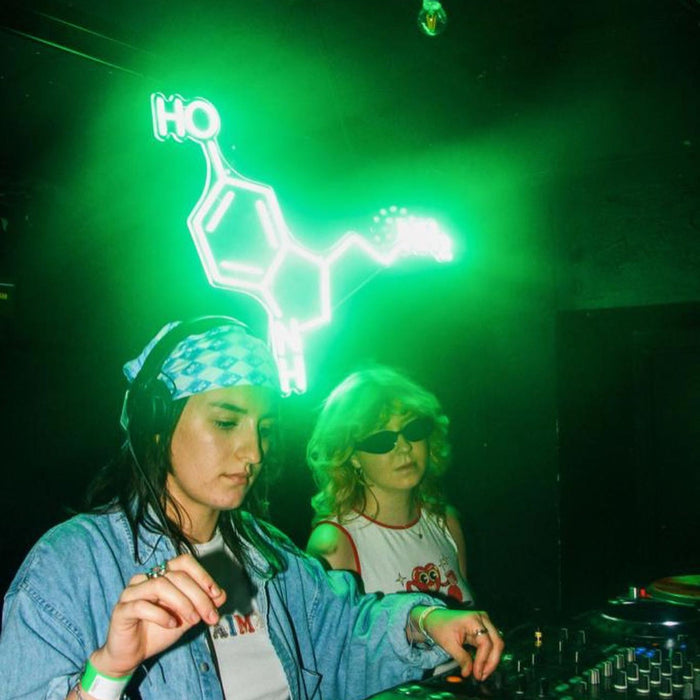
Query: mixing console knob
x=632, y=672
x=678, y=659
x=607, y=668
x=520, y=684
x=564, y=634
x=620, y=661
x=542, y=687
x=696, y=679
x=655, y=675
x=656, y=656
x=630, y=655
x=688, y=671
x=409, y=690
x=665, y=691
x=643, y=686
x=620, y=681
x=688, y=692
x=576, y=657
x=677, y=679
x=581, y=638
x=666, y=668
x=593, y=676
x=644, y=664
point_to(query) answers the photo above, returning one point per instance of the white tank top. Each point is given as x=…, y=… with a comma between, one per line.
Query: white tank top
x=420, y=556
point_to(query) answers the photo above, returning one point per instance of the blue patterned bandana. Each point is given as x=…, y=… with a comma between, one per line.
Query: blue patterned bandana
x=221, y=357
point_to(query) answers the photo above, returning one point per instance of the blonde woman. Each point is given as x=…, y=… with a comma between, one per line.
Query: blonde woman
x=378, y=451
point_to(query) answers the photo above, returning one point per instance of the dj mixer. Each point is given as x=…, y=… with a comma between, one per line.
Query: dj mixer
x=633, y=647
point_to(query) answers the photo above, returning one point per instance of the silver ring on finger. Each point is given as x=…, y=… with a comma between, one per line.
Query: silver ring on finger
x=157, y=571
x=480, y=631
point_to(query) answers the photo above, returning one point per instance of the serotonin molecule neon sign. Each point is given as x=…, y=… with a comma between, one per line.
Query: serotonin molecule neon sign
x=245, y=245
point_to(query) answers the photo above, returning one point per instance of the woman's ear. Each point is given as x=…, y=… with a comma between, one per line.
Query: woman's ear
x=355, y=461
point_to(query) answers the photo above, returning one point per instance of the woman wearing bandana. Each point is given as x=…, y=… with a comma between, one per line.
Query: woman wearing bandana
x=377, y=453
x=169, y=588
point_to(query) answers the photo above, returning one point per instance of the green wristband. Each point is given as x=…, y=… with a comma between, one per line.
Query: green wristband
x=102, y=686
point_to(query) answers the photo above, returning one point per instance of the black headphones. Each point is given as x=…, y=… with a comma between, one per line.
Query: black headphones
x=148, y=399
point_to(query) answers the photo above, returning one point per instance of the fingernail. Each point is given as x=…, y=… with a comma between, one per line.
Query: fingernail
x=215, y=589
x=213, y=617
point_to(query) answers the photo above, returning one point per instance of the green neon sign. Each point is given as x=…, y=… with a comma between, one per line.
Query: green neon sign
x=245, y=245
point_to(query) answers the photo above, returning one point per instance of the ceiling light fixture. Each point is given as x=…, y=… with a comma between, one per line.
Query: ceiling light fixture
x=432, y=18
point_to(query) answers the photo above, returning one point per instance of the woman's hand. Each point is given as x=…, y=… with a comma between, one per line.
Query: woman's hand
x=154, y=611
x=452, y=629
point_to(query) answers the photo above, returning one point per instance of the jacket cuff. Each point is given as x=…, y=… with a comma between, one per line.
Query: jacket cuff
x=420, y=655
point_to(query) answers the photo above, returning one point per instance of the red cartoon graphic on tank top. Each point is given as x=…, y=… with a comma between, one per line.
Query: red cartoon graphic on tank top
x=429, y=579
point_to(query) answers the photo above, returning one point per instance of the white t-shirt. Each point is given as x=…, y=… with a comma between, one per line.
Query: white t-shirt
x=249, y=668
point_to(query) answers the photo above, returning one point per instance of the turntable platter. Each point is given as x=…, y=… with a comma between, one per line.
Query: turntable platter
x=645, y=620
x=682, y=590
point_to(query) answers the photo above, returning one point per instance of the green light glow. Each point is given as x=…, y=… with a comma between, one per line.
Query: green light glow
x=245, y=245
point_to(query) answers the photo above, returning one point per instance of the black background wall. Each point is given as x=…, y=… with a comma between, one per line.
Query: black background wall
x=558, y=141
x=628, y=443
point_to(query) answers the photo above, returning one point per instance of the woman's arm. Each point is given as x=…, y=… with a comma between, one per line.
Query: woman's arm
x=363, y=637
x=153, y=612
x=149, y=617
x=333, y=546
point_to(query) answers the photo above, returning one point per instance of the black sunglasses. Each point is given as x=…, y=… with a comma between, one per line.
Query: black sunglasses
x=385, y=440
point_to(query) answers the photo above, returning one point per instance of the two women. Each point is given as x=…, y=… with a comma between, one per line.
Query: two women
x=169, y=588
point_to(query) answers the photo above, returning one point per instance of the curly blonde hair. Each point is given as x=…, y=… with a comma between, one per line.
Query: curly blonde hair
x=362, y=403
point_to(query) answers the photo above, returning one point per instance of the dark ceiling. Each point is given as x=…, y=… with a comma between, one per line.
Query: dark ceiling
x=356, y=81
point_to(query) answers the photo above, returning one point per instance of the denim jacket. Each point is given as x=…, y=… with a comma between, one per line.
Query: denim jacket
x=333, y=643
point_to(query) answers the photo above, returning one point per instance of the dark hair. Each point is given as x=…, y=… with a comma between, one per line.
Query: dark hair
x=362, y=403
x=136, y=482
